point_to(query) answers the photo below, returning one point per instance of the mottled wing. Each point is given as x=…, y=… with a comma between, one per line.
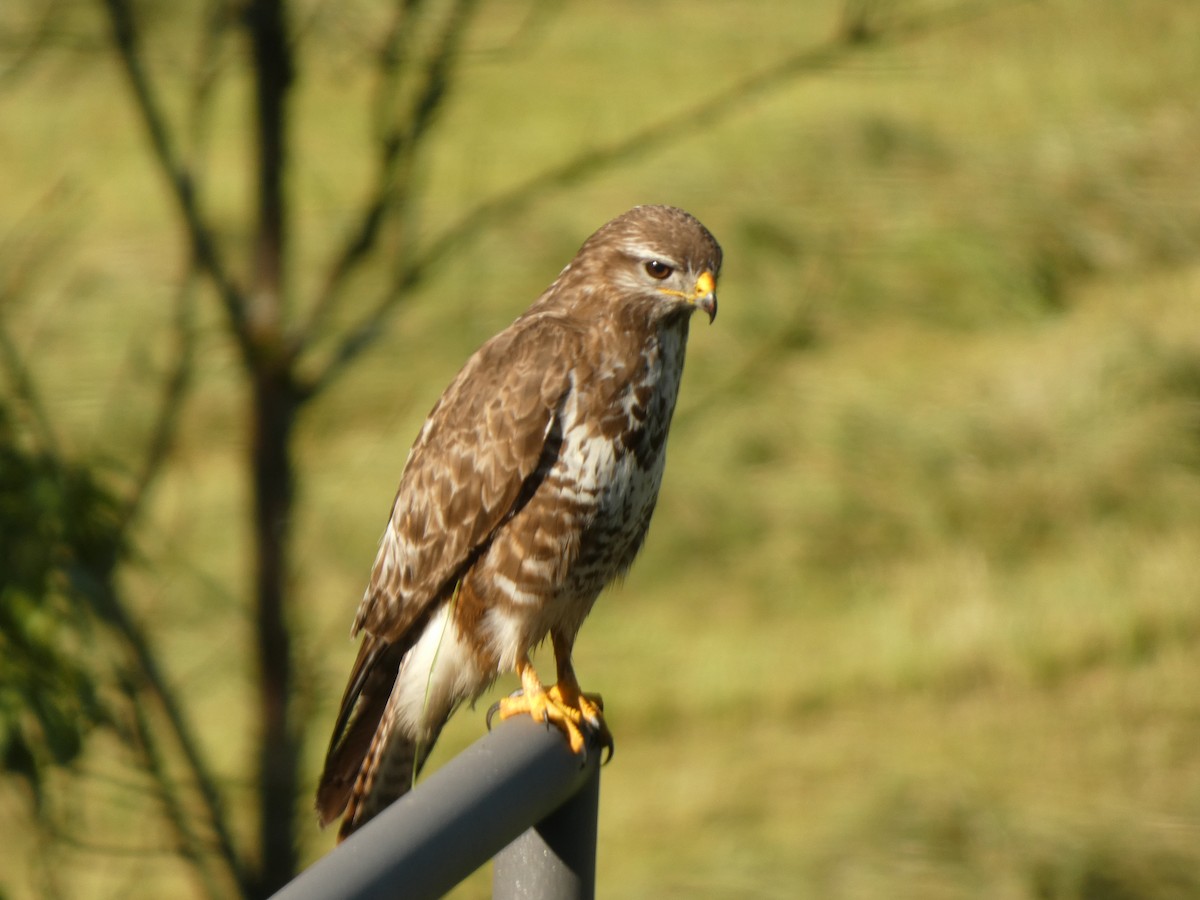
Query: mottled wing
x=473, y=466
x=465, y=474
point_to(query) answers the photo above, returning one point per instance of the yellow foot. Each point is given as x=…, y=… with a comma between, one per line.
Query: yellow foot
x=571, y=711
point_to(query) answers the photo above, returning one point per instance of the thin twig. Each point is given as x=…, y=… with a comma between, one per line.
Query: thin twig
x=400, y=138
x=188, y=844
x=204, y=246
x=392, y=57
x=207, y=67
x=701, y=116
x=666, y=131
x=20, y=54
x=115, y=613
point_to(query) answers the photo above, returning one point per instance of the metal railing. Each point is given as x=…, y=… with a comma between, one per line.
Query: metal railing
x=518, y=794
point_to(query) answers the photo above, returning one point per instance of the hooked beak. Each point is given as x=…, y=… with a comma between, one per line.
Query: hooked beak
x=704, y=295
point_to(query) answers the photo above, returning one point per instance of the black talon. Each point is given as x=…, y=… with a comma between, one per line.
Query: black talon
x=495, y=708
x=599, y=730
x=607, y=745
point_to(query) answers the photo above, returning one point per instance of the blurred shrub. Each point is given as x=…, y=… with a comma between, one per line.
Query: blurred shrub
x=58, y=539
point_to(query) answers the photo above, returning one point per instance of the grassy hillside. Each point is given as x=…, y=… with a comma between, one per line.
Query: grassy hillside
x=919, y=616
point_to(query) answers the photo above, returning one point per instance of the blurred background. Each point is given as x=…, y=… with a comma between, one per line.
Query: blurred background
x=919, y=616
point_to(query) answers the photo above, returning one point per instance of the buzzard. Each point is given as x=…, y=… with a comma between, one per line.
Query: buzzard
x=528, y=489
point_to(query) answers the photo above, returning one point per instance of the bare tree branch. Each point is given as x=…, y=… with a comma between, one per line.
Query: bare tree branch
x=174, y=388
x=358, y=245
x=22, y=50
x=664, y=132
x=101, y=593
x=670, y=130
x=188, y=844
x=112, y=610
x=267, y=30
x=204, y=247
x=42, y=28
x=208, y=66
x=699, y=117
x=272, y=421
x=400, y=136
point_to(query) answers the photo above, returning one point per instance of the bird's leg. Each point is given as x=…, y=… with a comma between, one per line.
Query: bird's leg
x=544, y=706
x=564, y=705
x=568, y=695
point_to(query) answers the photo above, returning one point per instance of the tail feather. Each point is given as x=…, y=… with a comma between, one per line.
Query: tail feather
x=399, y=697
x=358, y=720
x=392, y=766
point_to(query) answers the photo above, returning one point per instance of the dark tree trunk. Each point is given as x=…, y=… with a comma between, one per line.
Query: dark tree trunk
x=274, y=411
x=274, y=416
x=267, y=25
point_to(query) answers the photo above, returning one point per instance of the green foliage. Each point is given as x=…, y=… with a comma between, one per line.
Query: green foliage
x=57, y=539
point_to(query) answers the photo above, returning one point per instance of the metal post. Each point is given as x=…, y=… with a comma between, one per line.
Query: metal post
x=462, y=815
x=555, y=859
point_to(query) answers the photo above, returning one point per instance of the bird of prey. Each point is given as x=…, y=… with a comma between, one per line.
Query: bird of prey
x=528, y=489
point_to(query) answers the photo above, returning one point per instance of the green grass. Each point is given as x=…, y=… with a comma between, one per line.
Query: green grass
x=918, y=616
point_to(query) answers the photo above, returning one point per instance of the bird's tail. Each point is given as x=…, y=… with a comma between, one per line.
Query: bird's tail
x=373, y=757
x=388, y=773
x=399, y=697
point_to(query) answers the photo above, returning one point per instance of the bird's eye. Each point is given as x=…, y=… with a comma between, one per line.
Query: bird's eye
x=658, y=270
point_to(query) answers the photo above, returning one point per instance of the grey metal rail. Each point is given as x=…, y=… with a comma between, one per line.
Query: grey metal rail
x=518, y=792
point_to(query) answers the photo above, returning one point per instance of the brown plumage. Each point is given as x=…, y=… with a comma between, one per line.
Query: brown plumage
x=529, y=488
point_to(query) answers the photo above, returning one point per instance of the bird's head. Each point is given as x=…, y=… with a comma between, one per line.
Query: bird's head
x=658, y=258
